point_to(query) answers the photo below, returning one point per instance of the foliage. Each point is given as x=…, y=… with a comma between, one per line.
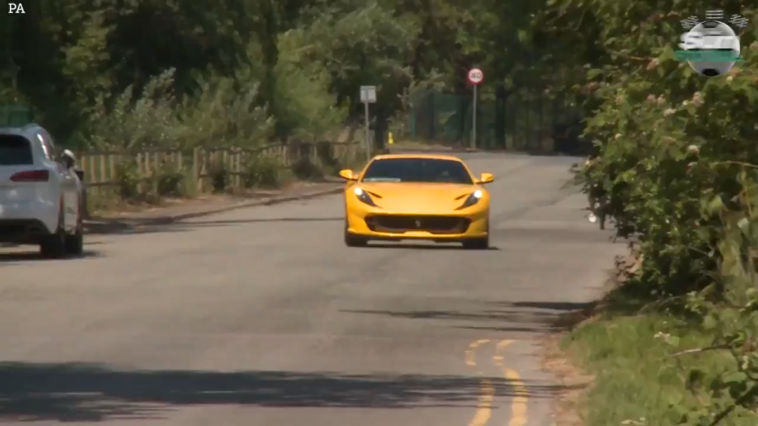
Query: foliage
x=127, y=180
x=262, y=171
x=168, y=180
x=306, y=108
x=305, y=169
x=219, y=176
x=675, y=155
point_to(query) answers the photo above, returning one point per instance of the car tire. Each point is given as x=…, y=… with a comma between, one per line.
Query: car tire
x=353, y=241
x=75, y=243
x=477, y=243
x=53, y=246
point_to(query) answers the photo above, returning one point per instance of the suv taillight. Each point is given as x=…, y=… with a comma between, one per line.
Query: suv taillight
x=31, y=176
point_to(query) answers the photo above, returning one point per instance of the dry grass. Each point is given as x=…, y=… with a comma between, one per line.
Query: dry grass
x=567, y=409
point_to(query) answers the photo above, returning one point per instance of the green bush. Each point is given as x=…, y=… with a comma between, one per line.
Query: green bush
x=305, y=169
x=169, y=181
x=219, y=176
x=218, y=115
x=127, y=180
x=676, y=160
x=264, y=172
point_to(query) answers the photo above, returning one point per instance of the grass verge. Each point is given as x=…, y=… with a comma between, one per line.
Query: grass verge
x=641, y=372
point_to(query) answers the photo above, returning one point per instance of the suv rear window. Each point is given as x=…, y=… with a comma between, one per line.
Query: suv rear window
x=15, y=151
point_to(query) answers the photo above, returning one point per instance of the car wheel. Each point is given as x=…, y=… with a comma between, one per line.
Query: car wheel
x=53, y=246
x=75, y=243
x=353, y=241
x=477, y=243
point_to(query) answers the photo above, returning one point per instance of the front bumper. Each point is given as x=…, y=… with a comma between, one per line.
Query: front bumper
x=448, y=227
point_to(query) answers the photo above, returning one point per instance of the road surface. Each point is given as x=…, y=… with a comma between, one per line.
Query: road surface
x=263, y=317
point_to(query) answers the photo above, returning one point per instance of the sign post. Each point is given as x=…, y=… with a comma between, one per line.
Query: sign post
x=368, y=96
x=475, y=77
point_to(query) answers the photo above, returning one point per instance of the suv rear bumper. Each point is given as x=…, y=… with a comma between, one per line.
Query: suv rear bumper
x=26, y=221
x=22, y=231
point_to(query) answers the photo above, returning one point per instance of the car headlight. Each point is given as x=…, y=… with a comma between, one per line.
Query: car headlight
x=364, y=197
x=472, y=199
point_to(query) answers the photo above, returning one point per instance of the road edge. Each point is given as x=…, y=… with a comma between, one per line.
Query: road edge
x=265, y=202
x=168, y=219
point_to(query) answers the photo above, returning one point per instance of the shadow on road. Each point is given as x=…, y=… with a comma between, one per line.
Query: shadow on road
x=132, y=227
x=34, y=256
x=150, y=226
x=532, y=317
x=243, y=221
x=85, y=392
x=442, y=246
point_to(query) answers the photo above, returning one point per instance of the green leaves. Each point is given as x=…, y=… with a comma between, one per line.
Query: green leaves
x=680, y=175
x=674, y=341
x=594, y=73
x=715, y=205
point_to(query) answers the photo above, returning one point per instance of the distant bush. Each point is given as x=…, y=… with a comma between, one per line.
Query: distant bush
x=305, y=169
x=169, y=181
x=127, y=180
x=220, y=114
x=264, y=172
x=219, y=176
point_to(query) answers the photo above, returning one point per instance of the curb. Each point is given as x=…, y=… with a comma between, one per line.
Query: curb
x=165, y=220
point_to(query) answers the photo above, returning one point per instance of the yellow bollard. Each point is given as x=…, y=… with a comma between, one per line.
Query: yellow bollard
x=390, y=141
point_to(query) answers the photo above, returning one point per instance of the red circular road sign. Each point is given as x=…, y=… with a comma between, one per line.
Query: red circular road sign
x=475, y=76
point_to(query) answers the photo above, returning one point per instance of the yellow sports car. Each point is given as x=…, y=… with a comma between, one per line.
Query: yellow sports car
x=417, y=197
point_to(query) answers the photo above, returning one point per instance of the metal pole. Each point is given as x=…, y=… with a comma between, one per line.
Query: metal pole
x=473, y=130
x=368, y=141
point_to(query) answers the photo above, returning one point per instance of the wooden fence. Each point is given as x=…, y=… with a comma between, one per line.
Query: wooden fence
x=101, y=168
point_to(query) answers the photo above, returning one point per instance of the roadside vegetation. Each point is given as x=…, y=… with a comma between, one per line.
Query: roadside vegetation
x=131, y=76
x=675, y=343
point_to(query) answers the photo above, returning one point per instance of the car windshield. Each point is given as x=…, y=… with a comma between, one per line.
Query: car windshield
x=429, y=170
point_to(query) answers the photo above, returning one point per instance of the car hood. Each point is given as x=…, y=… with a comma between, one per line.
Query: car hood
x=418, y=198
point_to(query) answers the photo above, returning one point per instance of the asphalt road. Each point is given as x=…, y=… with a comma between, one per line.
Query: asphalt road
x=263, y=317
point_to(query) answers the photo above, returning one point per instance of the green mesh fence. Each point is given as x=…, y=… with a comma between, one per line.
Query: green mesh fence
x=15, y=115
x=520, y=122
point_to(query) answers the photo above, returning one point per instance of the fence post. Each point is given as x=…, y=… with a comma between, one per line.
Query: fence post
x=196, y=170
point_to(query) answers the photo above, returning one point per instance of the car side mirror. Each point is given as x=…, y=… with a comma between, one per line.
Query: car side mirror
x=486, y=178
x=69, y=159
x=347, y=174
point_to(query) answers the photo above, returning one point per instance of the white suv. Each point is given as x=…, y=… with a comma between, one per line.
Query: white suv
x=40, y=196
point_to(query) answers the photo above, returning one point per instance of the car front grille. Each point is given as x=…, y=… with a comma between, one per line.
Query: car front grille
x=399, y=224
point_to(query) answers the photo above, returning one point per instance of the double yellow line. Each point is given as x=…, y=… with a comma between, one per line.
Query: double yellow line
x=519, y=401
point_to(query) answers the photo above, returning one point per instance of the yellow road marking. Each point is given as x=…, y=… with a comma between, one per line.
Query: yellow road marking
x=484, y=411
x=484, y=407
x=519, y=401
x=471, y=352
x=518, y=404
